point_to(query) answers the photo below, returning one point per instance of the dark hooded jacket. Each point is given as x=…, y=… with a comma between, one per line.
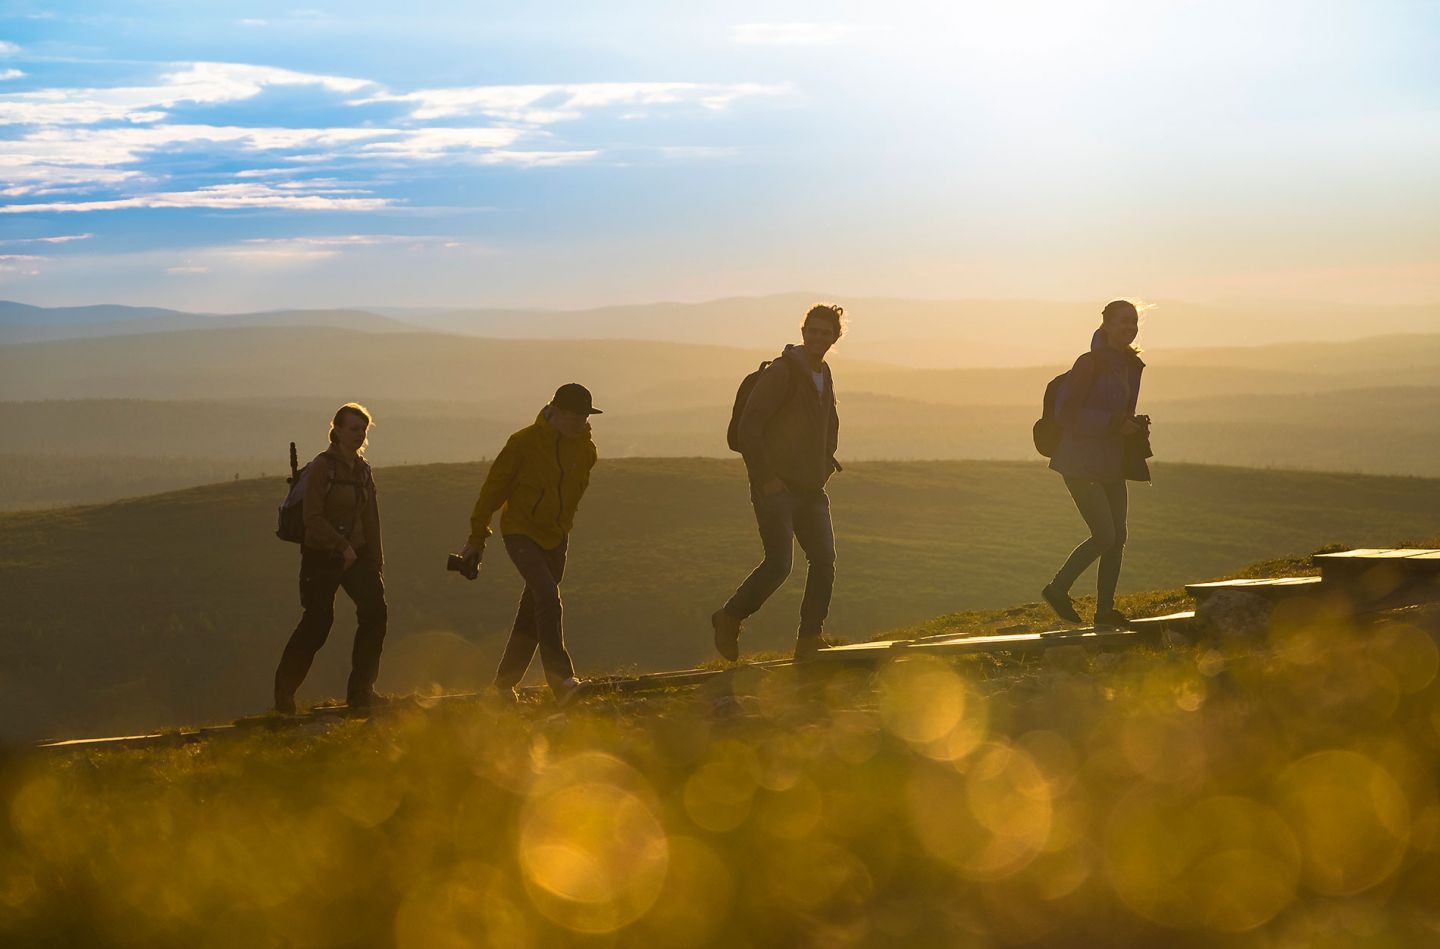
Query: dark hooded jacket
x=788, y=429
x=1100, y=393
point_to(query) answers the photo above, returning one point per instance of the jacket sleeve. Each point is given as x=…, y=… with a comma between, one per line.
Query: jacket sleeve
x=764, y=401
x=495, y=491
x=1074, y=412
x=374, y=544
x=320, y=534
x=833, y=443
x=584, y=484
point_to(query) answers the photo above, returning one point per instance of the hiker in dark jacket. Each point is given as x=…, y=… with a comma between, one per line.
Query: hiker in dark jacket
x=538, y=479
x=342, y=549
x=788, y=434
x=1096, y=411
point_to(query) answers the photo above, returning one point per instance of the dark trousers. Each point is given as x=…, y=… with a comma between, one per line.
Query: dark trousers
x=783, y=519
x=1103, y=505
x=539, y=620
x=321, y=574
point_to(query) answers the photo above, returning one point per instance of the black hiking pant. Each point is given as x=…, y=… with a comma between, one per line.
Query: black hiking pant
x=1104, y=505
x=784, y=519
x=322, y=572
x=539, y=619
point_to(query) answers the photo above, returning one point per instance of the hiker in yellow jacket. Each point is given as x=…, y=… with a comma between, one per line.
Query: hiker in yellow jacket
x=538, y=480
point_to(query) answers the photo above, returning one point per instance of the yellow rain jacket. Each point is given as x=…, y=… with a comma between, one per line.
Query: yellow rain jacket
x=538, y=478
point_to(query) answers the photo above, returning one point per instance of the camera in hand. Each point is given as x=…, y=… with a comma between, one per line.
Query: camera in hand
x=467, y=568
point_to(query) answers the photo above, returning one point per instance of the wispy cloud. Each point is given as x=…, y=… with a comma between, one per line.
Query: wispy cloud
x=61, y=239
x=790, y=34
x=10, y=74
x=12, y=258
x=232, y=196
x=199, y=84
x=545, y=104
x=8, y=48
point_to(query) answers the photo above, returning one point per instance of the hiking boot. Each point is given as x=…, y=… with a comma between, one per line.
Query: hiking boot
x=806, y=647
x=1112, y=619
x=569, y=691
x=369, y=699
x=727, y=634
x=1061, y=604
x=504, y=695
x=284, y=704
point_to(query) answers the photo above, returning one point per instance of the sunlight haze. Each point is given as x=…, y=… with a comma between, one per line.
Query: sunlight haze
x=258, y=155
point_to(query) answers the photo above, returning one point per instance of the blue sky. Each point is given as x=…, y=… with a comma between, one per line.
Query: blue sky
x=570, y=154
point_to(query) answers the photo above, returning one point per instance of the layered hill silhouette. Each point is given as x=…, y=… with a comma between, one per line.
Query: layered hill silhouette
x=172, y=608
x=912, y=333
x=96, y=419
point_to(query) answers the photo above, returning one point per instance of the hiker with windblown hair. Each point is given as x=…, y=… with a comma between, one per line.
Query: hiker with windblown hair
x=536, y=482
x=1102, y=444
x=787, y=430
x=341, y=549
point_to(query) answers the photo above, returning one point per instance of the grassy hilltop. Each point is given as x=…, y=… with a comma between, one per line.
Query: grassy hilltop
x=173, y=608
x=1245, y=795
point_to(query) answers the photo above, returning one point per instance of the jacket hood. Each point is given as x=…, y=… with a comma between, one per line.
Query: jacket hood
x=1099, y=344
x=543, y=424
x=794, y=351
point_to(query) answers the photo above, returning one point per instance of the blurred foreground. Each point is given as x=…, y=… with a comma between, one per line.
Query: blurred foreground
x=1276, y=794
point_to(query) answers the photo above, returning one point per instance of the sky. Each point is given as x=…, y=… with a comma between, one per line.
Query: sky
x=237, y=156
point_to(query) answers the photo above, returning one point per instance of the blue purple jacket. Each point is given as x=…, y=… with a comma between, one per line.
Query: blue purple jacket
x=1100, y=393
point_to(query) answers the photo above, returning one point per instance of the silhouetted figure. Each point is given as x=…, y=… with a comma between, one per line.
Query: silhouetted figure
x=1096, y=410
x=342, y=549
x=538, y=479
x=788, y=429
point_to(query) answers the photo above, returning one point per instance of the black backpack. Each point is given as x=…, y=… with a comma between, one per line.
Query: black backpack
x=742, y=395
x=1047, y=429
x=290, y=525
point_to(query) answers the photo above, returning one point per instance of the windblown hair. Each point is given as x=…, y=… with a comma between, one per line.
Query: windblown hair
x=1124, y=307
x=833, y=312
x=356, y=409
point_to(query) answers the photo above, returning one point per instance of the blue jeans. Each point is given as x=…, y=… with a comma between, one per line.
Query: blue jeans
x=1104, y=506
x=804, y=516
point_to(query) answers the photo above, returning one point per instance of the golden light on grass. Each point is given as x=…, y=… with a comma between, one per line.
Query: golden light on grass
x=697, y=898
x=988, y=823
x=1226, y=863
x=925, y=703
x=719, y=793
x=1164, y=749
x=592, y=851
x=1351, y=817
x=468, y=904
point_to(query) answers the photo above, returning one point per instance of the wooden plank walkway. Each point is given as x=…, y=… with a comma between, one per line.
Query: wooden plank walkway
x=1276, y=588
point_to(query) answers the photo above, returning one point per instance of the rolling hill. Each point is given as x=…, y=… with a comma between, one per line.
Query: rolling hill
x=173, y=608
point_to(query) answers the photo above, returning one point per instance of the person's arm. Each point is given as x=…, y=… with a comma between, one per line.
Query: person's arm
x=1074, y=413
x=374, y=545
x=320, y=534
x=494, y=493
x=765, y=400
x=834, y=422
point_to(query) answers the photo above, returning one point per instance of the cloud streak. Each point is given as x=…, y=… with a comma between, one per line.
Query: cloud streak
x=546, y=104
x=224, y=197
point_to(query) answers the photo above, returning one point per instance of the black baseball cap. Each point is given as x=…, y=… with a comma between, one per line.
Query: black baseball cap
x=573, y=397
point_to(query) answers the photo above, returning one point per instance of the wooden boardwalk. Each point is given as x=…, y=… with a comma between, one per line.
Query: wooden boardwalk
x=1370, y=577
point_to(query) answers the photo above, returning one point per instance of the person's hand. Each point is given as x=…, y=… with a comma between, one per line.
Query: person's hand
x=350, y=557
x=1129, y=427
x=470, y=552
x=773, y=487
